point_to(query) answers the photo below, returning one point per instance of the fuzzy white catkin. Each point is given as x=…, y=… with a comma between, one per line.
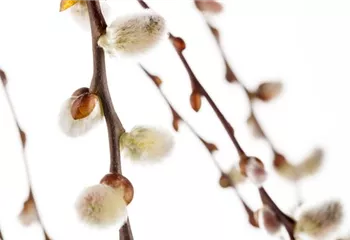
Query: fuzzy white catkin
x=255, y=172
x=146, y=144
x=77, y=127
x=102, y=206
x=236, y=176
x=133, y=34
x=319, y=221
x=268, y=221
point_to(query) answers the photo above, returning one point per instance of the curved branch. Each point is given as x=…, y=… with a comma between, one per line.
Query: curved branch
x=208, y=146
x=179, y=45
x=100, y=87
x=22, y=136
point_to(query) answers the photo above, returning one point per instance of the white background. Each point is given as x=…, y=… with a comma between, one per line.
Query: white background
x=47, y=56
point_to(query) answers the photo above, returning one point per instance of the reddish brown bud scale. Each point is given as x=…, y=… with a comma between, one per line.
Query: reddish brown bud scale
x=209, y=6
x=80, y=91
x=225, y=181
x=211, y=147
x=23, y=137
x=157, y=80
x=243, y=165
x=230, y=76
x=268, y=90
x=196, y=100
x=118, y=181
x=83, y=106
x=29, y=213
x=279, y=160
x=178, y=43
x=176, y=122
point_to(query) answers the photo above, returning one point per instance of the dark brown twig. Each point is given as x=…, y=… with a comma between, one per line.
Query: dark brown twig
x=179, y=45
x=23, y=142
x=99, y=86
x=210, y=147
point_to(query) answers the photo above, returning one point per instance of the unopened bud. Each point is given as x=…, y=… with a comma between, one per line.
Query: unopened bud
x=118, y=181
x=133, y=34
x=83, y=106
x=3, y=77
x=319, y=221
x=80, y=91
x=29, y=213
x=176, y=122
x=80, y=113
x=253, y=169
x=268, y=90
x=196, y=101
x=210, y=6
x=178, y=43
x=268, y=220
x=285, y=169
x=225, y=181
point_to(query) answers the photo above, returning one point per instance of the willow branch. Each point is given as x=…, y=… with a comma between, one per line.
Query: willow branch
x=179, y=45
x=99, y=86
x=232, y=78
x=23, y=143
x=210, y=147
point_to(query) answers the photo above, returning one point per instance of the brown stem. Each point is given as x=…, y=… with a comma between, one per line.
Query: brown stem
x=179, y=45
x=23, y=142
x=231, y=77
x=1, y=237
x=210, y=147
x=288, y=222
x=100, y=87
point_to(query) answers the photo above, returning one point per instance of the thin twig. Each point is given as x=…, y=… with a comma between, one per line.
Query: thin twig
x=231, y=77
x=179, y=45
x=23, y=143
x=210, y=147
x=99, y=86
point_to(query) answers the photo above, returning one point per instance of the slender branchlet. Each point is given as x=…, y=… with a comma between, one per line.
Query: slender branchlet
x=265, y=92
x=197, y=89
x=30, y=199
x=99, y=86
x=232, y=78
x=210, y=147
